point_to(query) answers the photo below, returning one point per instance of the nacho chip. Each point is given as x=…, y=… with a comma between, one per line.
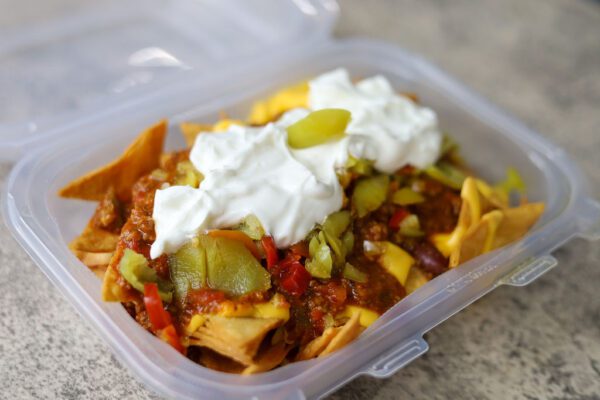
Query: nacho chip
x=496, y=229
x=218, y=362
x=236, y=338
x=94, y=240
x=190, y=130
x=348, y=333
x=268, y=359
x=111, y=289
x=268, y=110
x=99, y=271
x=316, y=346
x=495, y=198
x=470, y=213
x=140, y=158
x=516, y=223
x=332, y=339
x=93, y=259
x=478, y=240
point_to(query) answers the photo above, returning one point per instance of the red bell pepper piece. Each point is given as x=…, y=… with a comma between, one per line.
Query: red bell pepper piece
x=295, y=279
x=159, y=317
x=169, y=335
x=270, y=251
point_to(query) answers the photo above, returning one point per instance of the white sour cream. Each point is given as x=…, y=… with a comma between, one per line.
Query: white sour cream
x=253, y=171
x=400, y=131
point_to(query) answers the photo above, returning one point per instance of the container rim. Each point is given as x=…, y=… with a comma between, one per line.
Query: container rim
x=159, y=369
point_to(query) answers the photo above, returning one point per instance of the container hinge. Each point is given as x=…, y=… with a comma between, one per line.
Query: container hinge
x=390, y=363
x=531, y=270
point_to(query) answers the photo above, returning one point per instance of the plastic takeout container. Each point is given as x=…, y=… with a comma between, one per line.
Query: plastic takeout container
x=89, y=82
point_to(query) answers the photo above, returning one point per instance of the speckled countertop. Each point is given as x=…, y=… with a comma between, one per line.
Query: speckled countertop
x=540, y=60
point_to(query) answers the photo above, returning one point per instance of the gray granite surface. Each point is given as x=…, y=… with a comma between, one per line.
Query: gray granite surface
x=540, y=60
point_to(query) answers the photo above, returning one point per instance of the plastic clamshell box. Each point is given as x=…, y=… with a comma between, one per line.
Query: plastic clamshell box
x=99, y=76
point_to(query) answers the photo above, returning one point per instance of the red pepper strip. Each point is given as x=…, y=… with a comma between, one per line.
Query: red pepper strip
x=159, y=317
x=398, y=217
x=270, y=251
x=240, y=237
x=169, y=335
x=295, y=279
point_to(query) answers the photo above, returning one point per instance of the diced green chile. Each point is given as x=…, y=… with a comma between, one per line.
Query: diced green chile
x=135, y=270
x=446, y=174
x=232, y=269
x=219, y=263
x=411, y=226
x=187, y=174
x=370, y=193
x=406, y=196
x=354, y=274
x=320, y=263
x=359, y=166
x=188, y=269
x=512, y=182
x=252, y=227
x=337, y=223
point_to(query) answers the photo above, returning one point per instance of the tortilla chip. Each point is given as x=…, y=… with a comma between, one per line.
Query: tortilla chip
x=496, y=229
x=237, y=338
x=470, y=213
x=348, y=333
x=495, y=198
x=140, y=158
x=316, y=346
x=268, y=110
x=216, y=361
x=478, y=240
x=111, y=290
x=94, y=240
x=517, y=222
x=268, y=359
x=99, y=271
x=93, y=259
x=190, y=130
x=332, y=339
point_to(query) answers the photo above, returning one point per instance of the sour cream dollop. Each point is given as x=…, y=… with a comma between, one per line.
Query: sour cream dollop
x=249, y=170
x=252, y=171
x=400, y=131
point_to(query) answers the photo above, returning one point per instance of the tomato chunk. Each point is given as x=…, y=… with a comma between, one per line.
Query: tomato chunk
x=295, y=279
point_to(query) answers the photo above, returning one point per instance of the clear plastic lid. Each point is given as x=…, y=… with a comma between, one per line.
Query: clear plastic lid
x=61, y=60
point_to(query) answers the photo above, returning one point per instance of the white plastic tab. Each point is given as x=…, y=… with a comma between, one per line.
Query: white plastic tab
x=530, y=271
x=393, y=361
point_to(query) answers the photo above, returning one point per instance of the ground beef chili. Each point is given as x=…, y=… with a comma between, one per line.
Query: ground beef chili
x=311, y=307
